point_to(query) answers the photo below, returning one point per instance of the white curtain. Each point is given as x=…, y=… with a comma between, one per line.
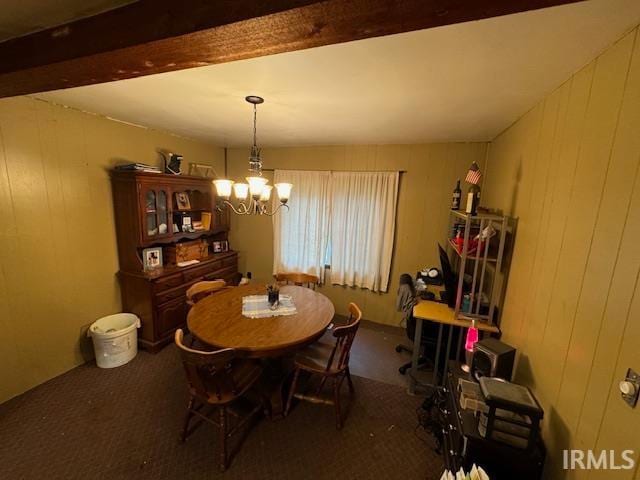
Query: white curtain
x=363, y=220
x=300, y=235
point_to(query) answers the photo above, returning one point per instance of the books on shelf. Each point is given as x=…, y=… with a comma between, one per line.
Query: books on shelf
x=139, y=167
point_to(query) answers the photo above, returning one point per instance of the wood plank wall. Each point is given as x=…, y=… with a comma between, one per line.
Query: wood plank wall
x=423, y=206
x=58, y=255
x=569, y=169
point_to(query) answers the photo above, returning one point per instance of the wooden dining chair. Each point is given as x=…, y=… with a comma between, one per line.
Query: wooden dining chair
x=199, y=290
x=328, y=360
x=297, y=278
x=216, y=380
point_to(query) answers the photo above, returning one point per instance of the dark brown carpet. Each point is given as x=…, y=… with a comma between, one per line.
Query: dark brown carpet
x=123, y=423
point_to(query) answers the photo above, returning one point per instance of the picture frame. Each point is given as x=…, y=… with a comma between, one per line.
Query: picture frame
x=182, y=201
x=187, y=226
x=217, y=247
x=202, y=170
x=225, y=245
x=152, y=258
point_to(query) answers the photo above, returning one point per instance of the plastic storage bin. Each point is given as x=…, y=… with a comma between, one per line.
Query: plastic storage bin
x=115, y=339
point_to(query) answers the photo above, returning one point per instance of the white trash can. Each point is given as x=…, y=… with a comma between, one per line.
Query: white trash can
x=115, y=339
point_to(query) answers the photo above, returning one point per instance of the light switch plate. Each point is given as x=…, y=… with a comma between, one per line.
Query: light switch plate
x=634, y=378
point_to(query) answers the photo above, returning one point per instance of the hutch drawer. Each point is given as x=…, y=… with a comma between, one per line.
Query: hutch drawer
x=167, y=295
x=200, y=272
x=168, y=282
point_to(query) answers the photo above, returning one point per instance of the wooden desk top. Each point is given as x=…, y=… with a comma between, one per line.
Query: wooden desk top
x=217, y=320
x=442, y=313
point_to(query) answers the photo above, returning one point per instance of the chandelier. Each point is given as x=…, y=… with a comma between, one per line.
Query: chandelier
x=252, y=197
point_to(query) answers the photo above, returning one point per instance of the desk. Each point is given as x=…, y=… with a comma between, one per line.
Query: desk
x=444, y=315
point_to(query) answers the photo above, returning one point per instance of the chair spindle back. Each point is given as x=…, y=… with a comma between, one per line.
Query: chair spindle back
x=339, y=359
x=297, y=278
x=209, y=374
x=199, y=290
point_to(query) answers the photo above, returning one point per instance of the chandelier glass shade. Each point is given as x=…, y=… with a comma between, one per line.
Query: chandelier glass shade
x=253, y=196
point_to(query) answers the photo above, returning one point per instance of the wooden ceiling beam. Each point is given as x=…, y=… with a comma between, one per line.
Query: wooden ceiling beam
x=155, y=36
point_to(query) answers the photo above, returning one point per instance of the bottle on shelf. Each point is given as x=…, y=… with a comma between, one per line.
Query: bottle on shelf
x=459, y=241
x=473, y=199
x=457, y=195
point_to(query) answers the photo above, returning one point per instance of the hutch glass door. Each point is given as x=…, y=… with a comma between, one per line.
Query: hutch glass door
x=156, y=213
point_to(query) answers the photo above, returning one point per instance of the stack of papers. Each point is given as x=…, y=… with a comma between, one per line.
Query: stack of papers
x=140, y=167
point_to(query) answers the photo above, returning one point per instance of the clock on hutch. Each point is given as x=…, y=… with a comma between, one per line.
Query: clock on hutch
x=162, y=221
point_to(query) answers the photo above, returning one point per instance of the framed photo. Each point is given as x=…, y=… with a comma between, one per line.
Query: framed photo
x=202, y=170
x=152, y=258
x=182, y=201
x=225, y=246
x=217, y=247
x=186, y=224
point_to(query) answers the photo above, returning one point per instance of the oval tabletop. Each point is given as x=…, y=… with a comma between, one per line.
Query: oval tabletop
x=218, y=321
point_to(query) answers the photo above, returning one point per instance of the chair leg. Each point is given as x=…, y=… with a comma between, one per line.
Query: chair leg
x=349, y=382
x=319, y=390
x=187, y=419
x=223, y=438
x=292, y=391
x=336, y=401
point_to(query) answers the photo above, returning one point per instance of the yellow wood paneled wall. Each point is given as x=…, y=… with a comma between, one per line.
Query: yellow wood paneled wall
x=569, y=169
x=58, y=254
x=423, y=205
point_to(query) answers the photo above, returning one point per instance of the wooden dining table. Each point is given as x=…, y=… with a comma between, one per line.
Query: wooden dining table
x=217, y=321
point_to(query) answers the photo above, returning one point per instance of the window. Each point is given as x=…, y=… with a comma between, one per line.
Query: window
x=345, y=219
x=363, y=222
x=301, y=234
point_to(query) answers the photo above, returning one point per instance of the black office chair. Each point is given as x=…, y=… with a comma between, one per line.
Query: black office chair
x=405, y=302
x=429, y=341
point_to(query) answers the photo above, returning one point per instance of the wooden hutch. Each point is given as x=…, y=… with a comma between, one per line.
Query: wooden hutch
x=146, y=209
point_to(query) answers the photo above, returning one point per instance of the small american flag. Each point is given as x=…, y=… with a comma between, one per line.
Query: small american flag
x=474, y=175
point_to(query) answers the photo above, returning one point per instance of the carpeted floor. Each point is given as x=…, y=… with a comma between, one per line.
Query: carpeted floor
x=123, y=423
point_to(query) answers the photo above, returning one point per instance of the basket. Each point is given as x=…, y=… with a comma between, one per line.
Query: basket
x=185, y=251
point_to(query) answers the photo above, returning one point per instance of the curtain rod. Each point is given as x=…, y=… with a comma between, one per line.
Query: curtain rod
x=348, y=171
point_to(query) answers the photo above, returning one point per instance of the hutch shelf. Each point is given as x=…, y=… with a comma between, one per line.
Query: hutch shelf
x=150, y=209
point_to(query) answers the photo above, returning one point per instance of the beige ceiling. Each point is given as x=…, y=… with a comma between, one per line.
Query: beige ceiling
x=465, y=82
x=19, y=17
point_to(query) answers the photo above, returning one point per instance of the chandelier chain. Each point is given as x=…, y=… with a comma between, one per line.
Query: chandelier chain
x=255, y=129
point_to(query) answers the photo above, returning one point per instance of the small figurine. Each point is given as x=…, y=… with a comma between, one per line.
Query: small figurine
x=173, y=165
